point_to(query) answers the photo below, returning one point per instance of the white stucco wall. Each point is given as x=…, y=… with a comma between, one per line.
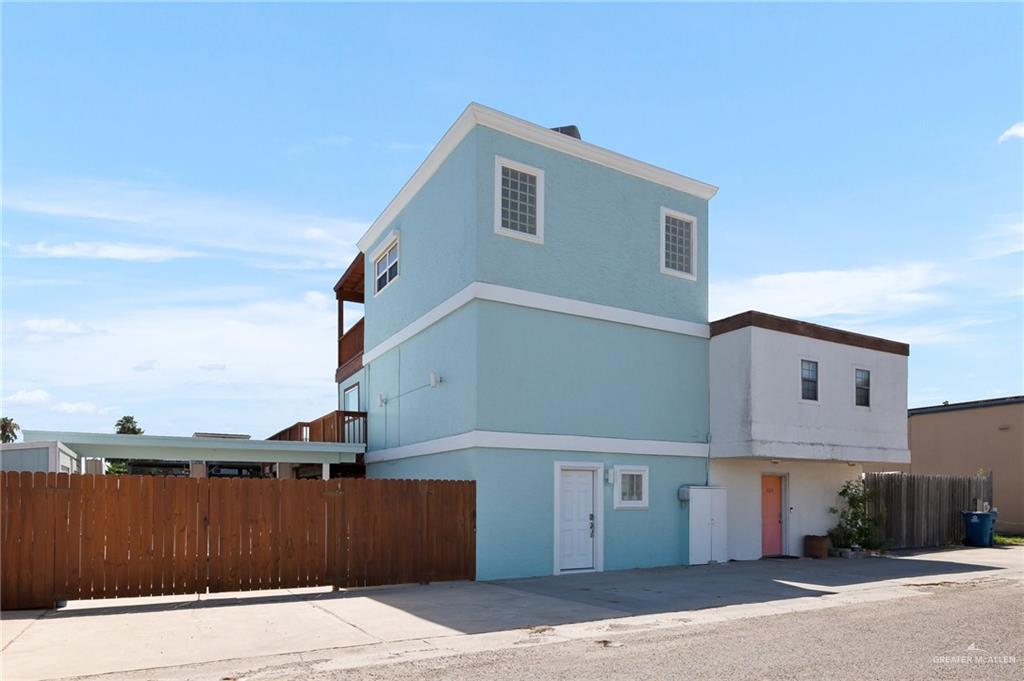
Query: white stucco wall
x=757, y=410
x=810, y=488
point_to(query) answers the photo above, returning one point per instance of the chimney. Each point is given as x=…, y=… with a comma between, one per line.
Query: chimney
x=570, y=130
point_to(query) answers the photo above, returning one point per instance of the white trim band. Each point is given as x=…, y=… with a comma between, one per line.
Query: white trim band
x=493, y=439
x=539, y=301
x=476, y=114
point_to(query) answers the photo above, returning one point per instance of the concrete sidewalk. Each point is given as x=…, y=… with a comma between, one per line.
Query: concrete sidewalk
x=219, y=635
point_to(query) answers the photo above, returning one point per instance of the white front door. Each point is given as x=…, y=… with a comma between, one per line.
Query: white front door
x=576, y=520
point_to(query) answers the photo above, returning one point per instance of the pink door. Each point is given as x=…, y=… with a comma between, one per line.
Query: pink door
x=771, y=515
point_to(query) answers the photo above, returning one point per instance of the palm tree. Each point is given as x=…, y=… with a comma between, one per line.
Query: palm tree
x=8, y=429
x=127, y=425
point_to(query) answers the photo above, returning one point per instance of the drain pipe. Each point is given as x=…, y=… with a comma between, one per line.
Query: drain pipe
x=707, y=464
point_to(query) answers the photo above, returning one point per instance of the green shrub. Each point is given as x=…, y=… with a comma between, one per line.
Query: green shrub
x=858, y=526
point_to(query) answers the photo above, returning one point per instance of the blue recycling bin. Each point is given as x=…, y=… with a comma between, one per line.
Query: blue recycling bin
x=978, y=528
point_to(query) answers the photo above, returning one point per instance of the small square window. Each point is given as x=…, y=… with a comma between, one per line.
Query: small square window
x=808, y=380
x=386, y=267
x=862, y=378
x=631, y=487
x=519, y=200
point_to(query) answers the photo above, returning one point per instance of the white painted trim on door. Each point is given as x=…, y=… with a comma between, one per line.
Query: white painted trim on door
x=493, y=439
x=598, y=470
x=479, y=290
x=477, y=114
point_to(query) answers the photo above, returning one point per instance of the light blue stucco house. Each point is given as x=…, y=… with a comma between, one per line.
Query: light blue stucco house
x=536, y=320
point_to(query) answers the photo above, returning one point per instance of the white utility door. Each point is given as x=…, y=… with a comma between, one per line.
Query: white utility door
x=719, y=534
x=700, y=526
x=576, y=520
x=708, y=529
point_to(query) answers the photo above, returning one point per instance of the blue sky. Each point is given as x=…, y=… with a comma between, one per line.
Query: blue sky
x=182, y=184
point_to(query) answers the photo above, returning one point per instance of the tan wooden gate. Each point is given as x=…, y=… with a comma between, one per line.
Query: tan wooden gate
x=70, y=537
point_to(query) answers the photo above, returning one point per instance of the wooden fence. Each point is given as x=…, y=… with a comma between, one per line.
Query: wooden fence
x=68, y=537
x=924, y=510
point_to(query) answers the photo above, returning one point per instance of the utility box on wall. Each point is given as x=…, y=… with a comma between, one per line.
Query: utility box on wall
x=708, y=536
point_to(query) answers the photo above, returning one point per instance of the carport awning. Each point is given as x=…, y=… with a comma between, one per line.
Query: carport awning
x=176, y=448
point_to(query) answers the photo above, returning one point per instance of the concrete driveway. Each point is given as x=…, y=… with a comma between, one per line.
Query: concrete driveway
x=229, y=634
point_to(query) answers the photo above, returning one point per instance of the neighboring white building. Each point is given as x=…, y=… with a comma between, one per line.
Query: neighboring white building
x=795, y=409
x=47, y=456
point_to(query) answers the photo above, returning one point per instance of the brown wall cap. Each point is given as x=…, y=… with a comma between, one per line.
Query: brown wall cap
x=796, y=327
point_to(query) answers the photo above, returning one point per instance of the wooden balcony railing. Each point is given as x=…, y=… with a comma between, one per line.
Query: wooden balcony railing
x=336, y=426
x=350, y=352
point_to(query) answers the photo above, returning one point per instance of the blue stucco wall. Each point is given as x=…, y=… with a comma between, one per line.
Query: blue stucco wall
x=515, y=507
x=413, y=412
x=602, y=234
x=437, y=244
x=545, y=372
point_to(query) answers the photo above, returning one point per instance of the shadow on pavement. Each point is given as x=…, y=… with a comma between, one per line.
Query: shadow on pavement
x=478, y=607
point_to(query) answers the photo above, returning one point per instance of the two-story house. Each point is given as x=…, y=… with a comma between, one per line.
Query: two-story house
x=535, y=319
x=796, y=409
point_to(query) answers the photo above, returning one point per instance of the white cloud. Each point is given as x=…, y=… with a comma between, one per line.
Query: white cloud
x=1015, y=130
x=196, y=221
x=276, y=355
x=37, y=396
x=831, y=292
x=1000, y=241
x=79, y=408
x=213, y=367
x=105, y=251
x=316, y=299
x=54, y=326
x=941, y=332
x=147, y=365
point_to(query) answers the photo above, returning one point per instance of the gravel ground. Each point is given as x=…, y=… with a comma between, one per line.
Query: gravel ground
x=911, y=638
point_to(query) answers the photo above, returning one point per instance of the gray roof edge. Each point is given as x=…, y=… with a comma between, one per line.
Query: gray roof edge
x=973, y=404
x=185, y=442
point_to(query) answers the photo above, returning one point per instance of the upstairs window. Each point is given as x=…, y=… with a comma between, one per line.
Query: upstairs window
x=808, y=380
x=386, y=267
x=519, y=203
x=678, y=244
x=862, y=378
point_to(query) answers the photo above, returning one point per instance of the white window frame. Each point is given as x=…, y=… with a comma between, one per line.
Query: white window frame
x=800, y=379
x=381, y=251
x=537, y=238
x=355, y=387
x=692, y=275
x=645, y=501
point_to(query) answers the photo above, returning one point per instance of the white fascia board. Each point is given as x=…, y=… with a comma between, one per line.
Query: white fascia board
x=490, y=439
x=182, y=448
x=538, y=301
x=477, y=114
